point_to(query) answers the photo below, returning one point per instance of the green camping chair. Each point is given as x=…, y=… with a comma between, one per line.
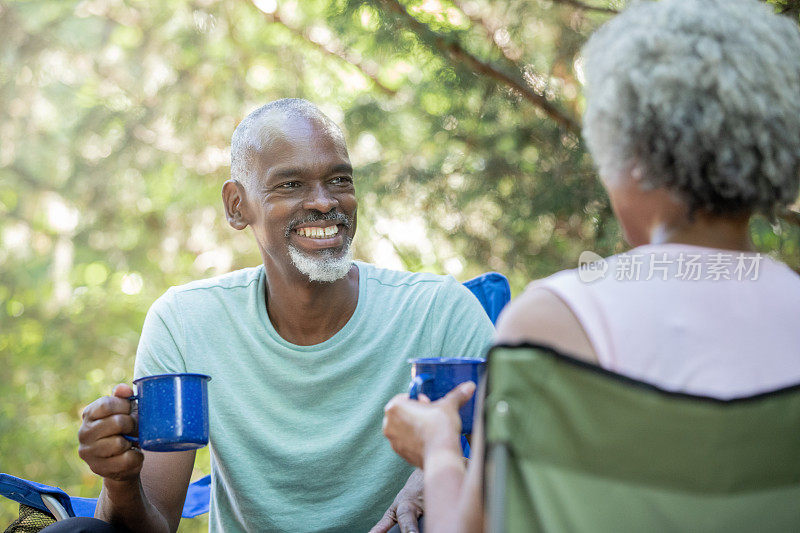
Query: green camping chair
x=572, y=447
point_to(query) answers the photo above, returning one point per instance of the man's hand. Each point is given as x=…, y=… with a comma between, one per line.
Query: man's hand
x=405, y=509
x=102, y=446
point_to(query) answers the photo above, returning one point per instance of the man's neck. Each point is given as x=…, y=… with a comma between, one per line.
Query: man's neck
x=307, y=313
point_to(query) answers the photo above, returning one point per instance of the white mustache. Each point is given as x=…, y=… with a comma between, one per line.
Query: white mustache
x=332, y=216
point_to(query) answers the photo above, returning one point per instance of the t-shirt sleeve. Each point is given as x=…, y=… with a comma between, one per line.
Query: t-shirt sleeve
x=461, y=327
x=161, y=345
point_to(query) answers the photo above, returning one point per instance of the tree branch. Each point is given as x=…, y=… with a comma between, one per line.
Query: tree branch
x=455, y=50
x=30, y=179
x=490, y=30
x=336, y=51
x=587, y=7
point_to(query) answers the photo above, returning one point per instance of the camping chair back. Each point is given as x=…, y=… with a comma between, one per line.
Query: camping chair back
x=572, y=447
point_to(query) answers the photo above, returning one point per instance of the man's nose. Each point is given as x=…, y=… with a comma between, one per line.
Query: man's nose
x=320, y=199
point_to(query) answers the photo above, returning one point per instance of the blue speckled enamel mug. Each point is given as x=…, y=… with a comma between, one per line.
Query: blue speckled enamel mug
x=436, y=376
x=173, y=412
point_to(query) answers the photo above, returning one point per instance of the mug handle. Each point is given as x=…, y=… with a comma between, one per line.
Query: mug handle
x=134, y=440
x=416, y=384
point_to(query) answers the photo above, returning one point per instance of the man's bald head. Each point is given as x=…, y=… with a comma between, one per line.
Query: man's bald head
x=267, y=123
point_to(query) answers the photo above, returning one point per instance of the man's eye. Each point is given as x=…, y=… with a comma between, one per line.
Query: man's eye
x=289, y=185
x=342, y=180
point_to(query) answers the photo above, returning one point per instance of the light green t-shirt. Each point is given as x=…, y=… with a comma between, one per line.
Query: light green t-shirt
x=296, y=442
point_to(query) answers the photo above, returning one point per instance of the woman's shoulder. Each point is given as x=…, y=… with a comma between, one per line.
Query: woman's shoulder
x=538, y=315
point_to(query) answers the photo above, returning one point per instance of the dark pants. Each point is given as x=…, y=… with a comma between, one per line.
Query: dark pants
x=80, y=524
x=396, y=528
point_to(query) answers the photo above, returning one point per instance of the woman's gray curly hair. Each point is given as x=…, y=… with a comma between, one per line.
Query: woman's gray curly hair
x=705, y=96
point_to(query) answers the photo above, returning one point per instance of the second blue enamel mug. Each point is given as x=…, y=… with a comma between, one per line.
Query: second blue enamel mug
x=436, y=376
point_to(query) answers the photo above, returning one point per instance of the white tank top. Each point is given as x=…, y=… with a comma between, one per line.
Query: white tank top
x=692, y=319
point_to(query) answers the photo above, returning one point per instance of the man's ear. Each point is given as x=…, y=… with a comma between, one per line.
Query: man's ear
x=234, y=198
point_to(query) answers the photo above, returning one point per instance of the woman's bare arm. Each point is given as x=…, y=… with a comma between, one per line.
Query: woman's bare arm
x=539, y=316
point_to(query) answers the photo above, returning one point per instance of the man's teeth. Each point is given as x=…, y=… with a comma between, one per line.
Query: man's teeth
x=318, y=233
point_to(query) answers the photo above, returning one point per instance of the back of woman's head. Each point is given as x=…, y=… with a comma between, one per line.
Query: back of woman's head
x=704, y=95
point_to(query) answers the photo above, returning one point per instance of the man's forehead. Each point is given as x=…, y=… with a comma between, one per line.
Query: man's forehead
x=305, y=145
x=277, y=127
x=294, y=148
x=329, y=167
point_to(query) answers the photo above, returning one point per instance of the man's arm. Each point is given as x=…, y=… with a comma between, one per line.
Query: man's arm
x=151, y=498
x=154, y=500
x=141, y=491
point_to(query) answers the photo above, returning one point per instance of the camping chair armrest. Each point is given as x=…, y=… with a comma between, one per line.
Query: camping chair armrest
x=56, y=509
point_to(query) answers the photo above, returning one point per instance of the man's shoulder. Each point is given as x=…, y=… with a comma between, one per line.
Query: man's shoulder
x=238, y=279
x=386, y=277
x=225, y=287
x=205, y=299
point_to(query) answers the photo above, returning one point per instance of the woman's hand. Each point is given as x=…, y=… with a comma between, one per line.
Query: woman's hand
x=418, y=428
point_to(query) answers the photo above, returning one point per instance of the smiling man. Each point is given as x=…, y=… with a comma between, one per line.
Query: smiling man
x=304, y=351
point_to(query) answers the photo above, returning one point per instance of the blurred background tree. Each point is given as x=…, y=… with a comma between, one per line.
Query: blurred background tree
x=463, y=119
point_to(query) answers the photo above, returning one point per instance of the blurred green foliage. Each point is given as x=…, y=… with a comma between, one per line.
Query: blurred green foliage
x=115, y=119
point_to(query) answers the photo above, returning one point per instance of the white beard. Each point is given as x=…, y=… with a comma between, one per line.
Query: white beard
x=324, y=267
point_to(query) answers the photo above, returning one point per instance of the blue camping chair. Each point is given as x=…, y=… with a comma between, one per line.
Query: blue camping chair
x=491, y=289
